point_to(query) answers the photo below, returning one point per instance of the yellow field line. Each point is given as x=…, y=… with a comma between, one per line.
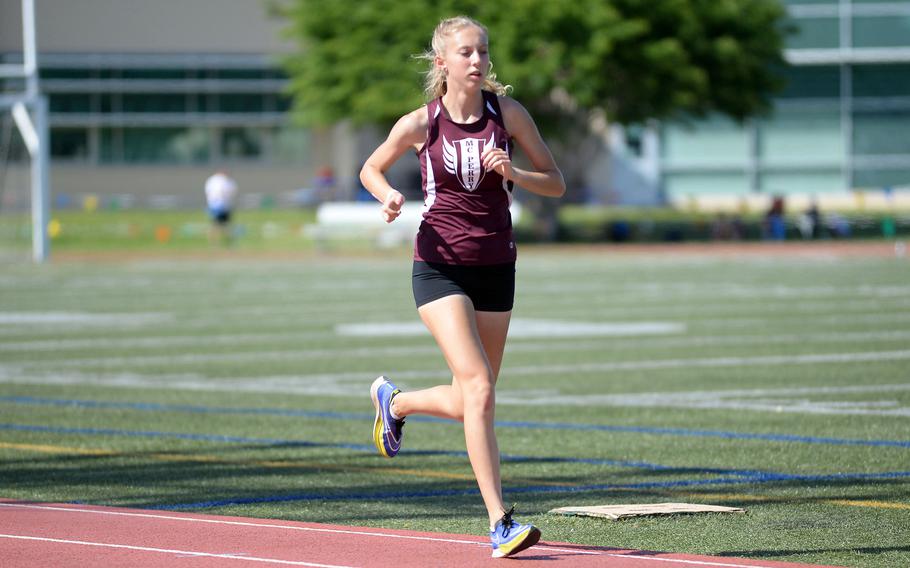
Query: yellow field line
x=257, y=463
x=43, y=448
x=873, y=504
x=771, y=499
x=56, y=449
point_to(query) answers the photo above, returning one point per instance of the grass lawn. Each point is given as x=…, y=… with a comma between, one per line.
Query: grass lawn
x=239, y=385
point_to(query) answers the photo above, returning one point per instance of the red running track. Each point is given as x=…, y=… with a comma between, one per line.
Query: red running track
x=79, y=536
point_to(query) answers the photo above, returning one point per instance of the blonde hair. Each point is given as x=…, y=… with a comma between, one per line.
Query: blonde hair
x=434, y=84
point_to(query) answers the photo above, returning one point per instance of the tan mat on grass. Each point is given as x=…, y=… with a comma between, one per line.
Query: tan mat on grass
x=618, y=512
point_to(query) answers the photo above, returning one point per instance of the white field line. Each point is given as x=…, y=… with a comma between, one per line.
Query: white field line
x=417, y=350
x=733, y=291
x=178, y=553
x=375, y=535
x=297, y=322
x=351, y=384
x=515, y=343
x=605, y=367
x=84, y=318
x=154, y=342
x=793, y=400
x=686, y=308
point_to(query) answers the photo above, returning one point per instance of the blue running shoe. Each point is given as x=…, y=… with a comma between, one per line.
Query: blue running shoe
x=511, y=537
x=386, y=430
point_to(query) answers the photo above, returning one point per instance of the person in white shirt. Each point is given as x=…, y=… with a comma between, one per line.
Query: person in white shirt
x=220, y=192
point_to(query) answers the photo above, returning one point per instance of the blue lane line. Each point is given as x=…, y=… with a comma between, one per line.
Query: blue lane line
x=154, y=407
x=741, y=476
x=277, y=442
x=767, y=478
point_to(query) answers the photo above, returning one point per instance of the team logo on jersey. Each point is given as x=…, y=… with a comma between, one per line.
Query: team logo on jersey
x=462, y=159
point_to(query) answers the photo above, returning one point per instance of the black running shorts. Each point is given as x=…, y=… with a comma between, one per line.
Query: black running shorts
x=490, y=288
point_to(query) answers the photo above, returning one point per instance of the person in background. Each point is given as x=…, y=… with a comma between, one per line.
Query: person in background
x=463, y=274
x=220, y=193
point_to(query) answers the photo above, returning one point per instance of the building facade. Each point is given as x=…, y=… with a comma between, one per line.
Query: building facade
x=841, y=125
x=147, y=98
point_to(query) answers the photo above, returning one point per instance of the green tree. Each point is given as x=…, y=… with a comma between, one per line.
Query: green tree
x=632, y=60
x=569, y=61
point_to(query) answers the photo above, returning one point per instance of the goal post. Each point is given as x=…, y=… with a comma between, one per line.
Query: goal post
x=30, y=115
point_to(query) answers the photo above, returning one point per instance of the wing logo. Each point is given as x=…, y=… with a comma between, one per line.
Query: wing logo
x=462, y=159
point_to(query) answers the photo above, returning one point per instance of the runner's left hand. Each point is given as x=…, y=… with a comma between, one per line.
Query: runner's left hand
x=498, y=160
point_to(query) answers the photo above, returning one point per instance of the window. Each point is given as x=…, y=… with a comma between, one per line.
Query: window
x=815, y=33
x=69, y=144
x=811, y=82
x=881, y=133
x=881, y=178
x=678, y=185
x=154, y=103
x=240, y=103
x=784, y=183
x=802, y=134
x=70, y=103
x=241, y=143
x=717, y=141
x=881, y=31
x=165, y=145
x=881, y=80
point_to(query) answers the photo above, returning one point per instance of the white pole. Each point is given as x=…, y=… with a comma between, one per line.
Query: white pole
x=29, y=45
x=40, y=184
x=40, y=156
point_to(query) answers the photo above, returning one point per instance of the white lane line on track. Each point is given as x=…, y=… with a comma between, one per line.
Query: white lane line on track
x=169, y=517
x=178, y=553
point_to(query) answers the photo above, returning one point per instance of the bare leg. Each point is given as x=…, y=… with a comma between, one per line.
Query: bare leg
x=445, y=401
x=464, y=335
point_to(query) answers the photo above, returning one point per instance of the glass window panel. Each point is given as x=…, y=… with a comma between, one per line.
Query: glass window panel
x=681, y=185
x=881, y=31
x=154, y=103
x=111, y=145
x=291, y=146
x=70, y=103
x=274, y=73
x=881, y=133
x=283, y=103
x=715, y=141
x=69, y=143
x=65, y=73
x=110, y=103
x=15, y=150
x=165, y=145
x=881, y=178
x=814, y=33
x=811, y=82
x=794, y=135
x=12, y=84
x=785, y=183
x=241, y=142
x=238, y=74
x=154, y=74
x=881, y=80
x=240, y=103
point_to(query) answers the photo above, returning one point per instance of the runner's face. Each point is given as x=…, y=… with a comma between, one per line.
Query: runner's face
x=467, y=57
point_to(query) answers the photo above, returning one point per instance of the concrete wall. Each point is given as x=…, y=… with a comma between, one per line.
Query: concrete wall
x=145, y=26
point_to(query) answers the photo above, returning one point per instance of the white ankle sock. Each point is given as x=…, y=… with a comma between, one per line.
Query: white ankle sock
x=392, y=413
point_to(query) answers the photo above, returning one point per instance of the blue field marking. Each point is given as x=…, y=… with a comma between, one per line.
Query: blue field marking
x=369, y=448
x=732, y=477
x=384, y=496
x=357, y=416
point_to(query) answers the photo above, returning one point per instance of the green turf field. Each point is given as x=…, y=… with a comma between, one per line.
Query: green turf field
x=780, y=384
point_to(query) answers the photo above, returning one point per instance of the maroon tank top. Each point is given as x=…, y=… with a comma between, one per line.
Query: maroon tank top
x=466, y=217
